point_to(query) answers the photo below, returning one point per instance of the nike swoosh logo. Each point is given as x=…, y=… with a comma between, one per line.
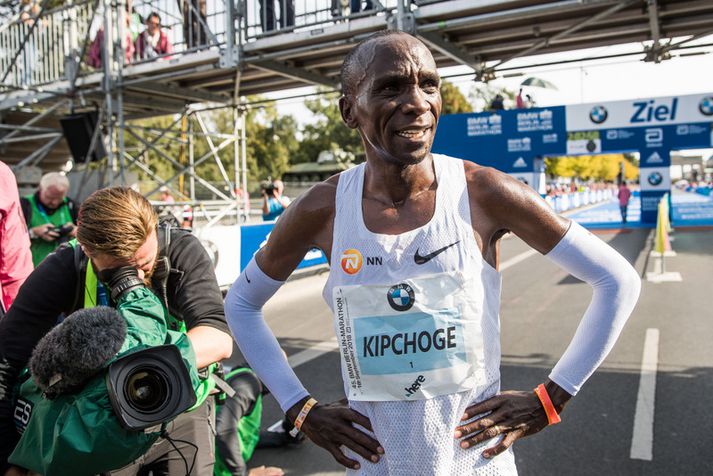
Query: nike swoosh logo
x=246, y=278
x=423, y=259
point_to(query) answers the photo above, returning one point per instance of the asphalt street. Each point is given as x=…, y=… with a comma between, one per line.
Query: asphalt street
x=541, y=307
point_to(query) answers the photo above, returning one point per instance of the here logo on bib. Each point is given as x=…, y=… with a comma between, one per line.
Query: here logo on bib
x=417, y=343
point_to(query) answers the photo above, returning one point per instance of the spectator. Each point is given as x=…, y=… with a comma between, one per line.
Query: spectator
x=153, y=42
x=272, y=206
x=169, y=212
x=497, y=103
x=50, y=215
x=15, y=256
x=96, y=49
x=279, y=189
x=267, y=14
x=624, y=196
x=519, y=101
x=194, y=22
x=356, y=6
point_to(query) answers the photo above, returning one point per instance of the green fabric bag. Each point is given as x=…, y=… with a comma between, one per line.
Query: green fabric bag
x=79, y=434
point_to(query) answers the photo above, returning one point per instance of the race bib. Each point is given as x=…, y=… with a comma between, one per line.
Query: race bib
x=411, y=340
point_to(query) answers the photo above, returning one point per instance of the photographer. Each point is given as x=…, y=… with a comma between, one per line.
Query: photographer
x=272, y=202
x=105, y=384
x=118, y=227
x=50, y=215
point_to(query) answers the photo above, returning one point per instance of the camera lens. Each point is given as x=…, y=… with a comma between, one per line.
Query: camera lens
x=146, y=390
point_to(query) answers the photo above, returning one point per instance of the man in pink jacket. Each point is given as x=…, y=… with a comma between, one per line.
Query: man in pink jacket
x=15, y=257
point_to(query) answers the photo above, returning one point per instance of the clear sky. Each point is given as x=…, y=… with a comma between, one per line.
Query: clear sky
x=584, y=82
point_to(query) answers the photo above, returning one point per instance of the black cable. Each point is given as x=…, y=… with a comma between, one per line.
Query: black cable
x=165, y=435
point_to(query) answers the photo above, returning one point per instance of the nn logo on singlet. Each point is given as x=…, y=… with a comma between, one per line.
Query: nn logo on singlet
x=352, y=261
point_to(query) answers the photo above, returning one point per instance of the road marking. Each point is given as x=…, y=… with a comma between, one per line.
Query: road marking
x=516, y=259
x=642, y=439
x=313, y=352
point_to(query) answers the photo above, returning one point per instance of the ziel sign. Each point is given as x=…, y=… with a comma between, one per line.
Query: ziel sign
x=515, y=141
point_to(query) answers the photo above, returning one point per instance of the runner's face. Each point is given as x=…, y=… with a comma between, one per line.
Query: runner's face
x=398, y=103
x=52, y=197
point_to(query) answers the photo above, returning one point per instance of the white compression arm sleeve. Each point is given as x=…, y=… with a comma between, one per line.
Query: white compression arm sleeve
x=616, y=287
x=243, y=310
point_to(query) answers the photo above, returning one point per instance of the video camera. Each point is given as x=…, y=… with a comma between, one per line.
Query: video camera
x=103, y=386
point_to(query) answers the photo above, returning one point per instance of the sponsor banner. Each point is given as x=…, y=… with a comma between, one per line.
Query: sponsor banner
x=584, y=143
x=528, y=178
x=640, y=112
x=655, y=178
x=254, y=237
x=507, y=140
x=650, y=202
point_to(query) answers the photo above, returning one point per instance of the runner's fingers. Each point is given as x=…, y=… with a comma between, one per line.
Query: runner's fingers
x=506, y=443
x=482, y=407
x=484, y=435
x=361, y=450
x=336, y=452
x=477, y=425
x=364, y=440
x=358, y=418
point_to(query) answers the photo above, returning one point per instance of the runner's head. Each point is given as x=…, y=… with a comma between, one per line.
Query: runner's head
x=391, y=95
x=117, y=227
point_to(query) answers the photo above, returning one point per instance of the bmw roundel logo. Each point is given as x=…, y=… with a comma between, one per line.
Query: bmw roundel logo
x=655, y=178
x=598, y=114
x=706, y=106
x=401, y=297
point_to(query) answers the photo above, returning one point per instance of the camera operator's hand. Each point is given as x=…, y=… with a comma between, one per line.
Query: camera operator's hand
x=121, y=280
x=45, y=232
x=16, y=471
x=72, y=229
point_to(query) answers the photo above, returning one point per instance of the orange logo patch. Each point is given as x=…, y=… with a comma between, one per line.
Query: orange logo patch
x=351, y=261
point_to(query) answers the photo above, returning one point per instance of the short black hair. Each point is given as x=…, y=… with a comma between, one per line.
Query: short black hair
x=154, y=14
x=352, y=72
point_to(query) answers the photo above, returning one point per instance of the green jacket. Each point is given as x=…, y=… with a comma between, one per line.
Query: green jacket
x=78, y=434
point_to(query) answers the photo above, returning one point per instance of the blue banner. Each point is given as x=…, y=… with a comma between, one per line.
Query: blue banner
x=254, y=237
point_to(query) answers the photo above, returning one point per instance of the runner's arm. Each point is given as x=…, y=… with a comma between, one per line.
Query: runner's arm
x=305, y=224
x=616, y=286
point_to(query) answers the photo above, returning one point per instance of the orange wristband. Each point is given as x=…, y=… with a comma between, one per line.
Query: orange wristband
x=302, y=415
x=552, y=416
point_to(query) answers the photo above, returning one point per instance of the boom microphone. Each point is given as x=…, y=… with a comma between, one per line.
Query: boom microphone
x=76, y=350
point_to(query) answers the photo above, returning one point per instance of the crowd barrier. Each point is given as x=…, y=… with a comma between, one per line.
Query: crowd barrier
x=569, y=201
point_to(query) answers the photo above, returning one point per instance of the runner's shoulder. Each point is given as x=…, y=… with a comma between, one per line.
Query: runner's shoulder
x=318, y=200
x=491, y=187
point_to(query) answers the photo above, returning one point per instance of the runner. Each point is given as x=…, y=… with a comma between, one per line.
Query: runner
x=412, y=239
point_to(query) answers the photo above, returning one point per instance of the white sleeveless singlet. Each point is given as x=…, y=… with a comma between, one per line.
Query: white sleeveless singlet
x=417, y=320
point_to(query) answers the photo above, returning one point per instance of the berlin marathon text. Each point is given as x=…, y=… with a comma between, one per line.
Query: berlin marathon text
x=347, y=344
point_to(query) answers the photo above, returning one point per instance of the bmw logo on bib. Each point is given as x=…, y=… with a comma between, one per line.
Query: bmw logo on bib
x=400, y=297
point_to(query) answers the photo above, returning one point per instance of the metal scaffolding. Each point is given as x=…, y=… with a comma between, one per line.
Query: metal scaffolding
x=76, y=57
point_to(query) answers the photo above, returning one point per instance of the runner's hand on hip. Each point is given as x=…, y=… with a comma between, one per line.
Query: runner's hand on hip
x=513, y=414
x=332, y=426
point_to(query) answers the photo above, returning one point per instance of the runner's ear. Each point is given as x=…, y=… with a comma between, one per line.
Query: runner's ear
x=346, y=108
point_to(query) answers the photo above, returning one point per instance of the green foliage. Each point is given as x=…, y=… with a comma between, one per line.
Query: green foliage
x=454, y=102
x=605, y=167
x=481, y=95
x=328, y=132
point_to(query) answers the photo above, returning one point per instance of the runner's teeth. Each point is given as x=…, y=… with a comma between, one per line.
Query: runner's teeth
x=411, y=134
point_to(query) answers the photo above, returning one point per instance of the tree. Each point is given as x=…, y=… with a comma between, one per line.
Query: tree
x=481, y=95
x=328, y=132
x=604, y=167
x=454, y=102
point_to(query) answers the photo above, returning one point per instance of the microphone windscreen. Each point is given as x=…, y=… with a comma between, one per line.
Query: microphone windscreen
x=76, y=349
